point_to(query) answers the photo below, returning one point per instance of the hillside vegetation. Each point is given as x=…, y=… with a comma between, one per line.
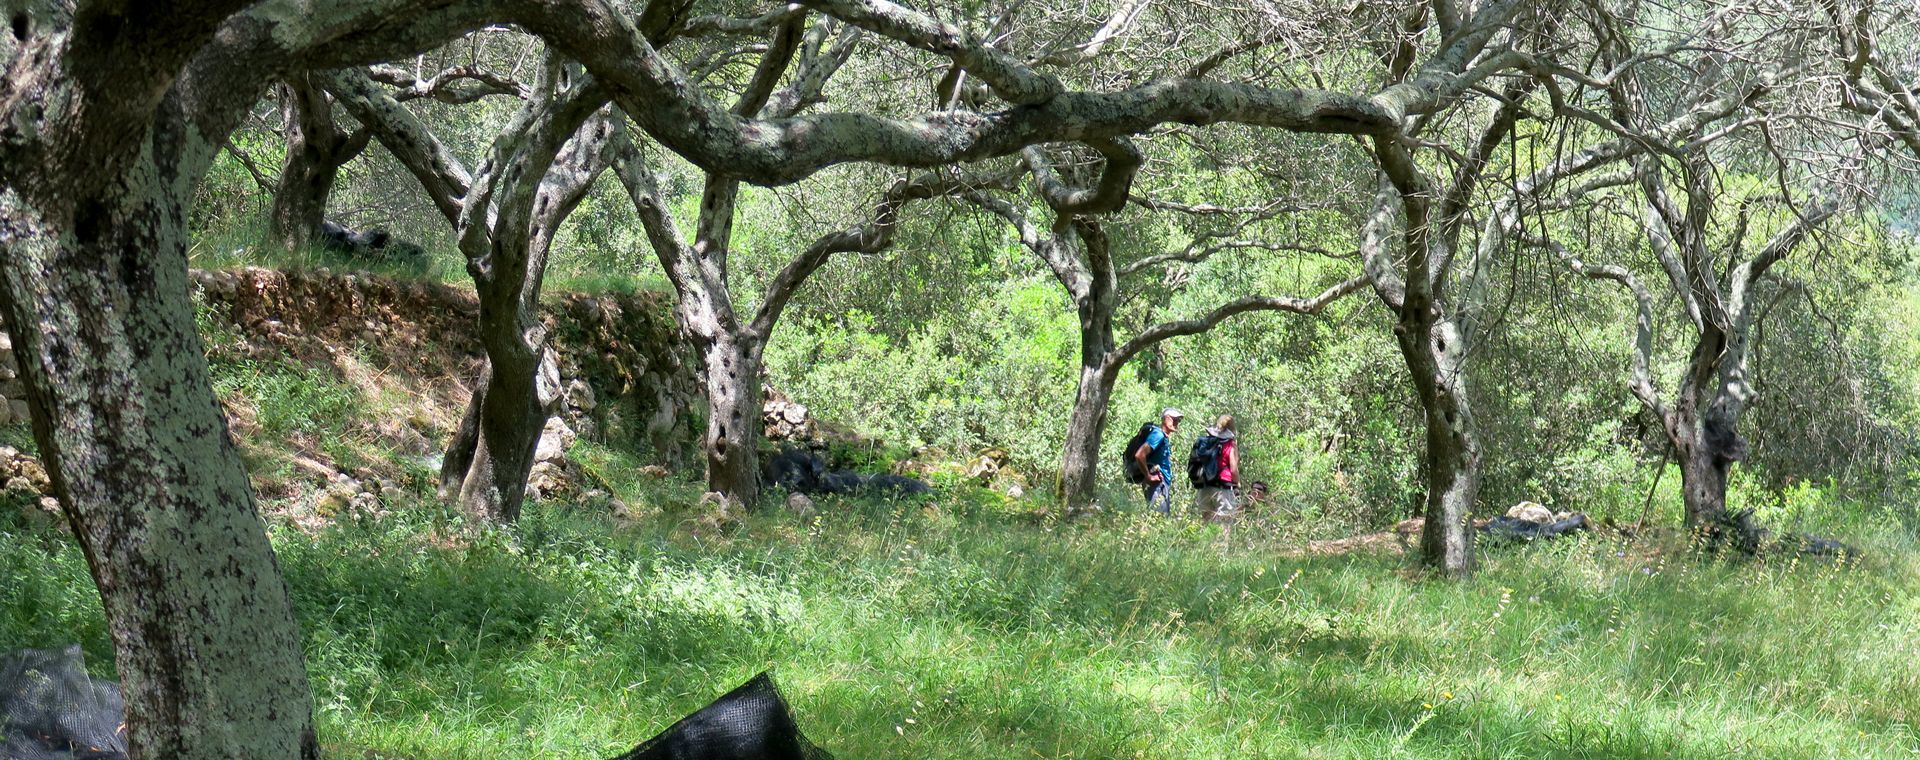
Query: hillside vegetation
x=967, y=624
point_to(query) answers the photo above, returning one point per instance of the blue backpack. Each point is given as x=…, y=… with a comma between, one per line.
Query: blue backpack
x=1203, y=465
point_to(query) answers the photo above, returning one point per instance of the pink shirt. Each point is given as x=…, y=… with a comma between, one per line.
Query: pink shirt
x=1227, y=474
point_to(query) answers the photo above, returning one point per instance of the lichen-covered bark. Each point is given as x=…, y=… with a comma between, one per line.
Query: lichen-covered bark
x=137, y=448
x=688, y=120
x=1086, y=428
x=730, y=369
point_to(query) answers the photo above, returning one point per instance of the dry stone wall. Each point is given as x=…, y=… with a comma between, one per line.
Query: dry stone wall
x=626, y=370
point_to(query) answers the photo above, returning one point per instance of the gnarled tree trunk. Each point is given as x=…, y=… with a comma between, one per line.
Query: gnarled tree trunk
x=509, y=413
x=316, y=149
x=730, y=370
x=539, y=169
x=205, y=641
x=1432, y=351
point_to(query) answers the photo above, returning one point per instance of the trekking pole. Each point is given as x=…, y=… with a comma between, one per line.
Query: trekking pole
x=1665, y=454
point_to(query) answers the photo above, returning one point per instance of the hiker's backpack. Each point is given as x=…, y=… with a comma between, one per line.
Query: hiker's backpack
x=1127, y=463
x=1203, y=465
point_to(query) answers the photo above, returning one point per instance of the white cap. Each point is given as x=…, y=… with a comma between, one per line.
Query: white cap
x=1174, y=413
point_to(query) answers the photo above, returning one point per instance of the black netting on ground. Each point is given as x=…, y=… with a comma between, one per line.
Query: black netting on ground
x=50, y=709
x=749, y=723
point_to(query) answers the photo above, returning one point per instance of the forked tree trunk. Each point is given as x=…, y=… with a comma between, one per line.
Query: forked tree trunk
x=512, y=417
x=511, y=405
x=316, y=149
x=1705, y=440
x=205, y=639
x=1703, y=423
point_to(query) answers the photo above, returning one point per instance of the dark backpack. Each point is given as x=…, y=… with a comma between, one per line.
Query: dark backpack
x=1127, y=463
x=1203, y=465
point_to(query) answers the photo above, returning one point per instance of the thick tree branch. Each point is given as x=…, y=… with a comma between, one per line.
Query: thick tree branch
x=1012, y=80
x=1157, y=333
x=1375, y=253
x=670, y=246
x=779, y=151
x=868, y=236
x=1108, y=194
x=456, y=85
x=438, y=170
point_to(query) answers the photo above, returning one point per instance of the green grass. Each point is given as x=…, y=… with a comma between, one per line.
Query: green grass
x=248, y=243
x=929, y=632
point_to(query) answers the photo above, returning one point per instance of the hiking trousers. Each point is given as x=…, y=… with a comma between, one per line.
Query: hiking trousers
x=1159, y=495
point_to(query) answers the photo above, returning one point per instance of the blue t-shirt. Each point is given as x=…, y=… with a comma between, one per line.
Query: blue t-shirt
x=1160, y=452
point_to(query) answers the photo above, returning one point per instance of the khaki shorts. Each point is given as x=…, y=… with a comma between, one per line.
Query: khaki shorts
x=1221, y=503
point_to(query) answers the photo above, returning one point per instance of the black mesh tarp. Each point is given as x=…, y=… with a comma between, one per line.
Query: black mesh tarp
x=50, y=709
x=749, y=723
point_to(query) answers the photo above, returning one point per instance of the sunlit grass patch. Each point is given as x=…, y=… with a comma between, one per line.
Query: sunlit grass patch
x=900, y=630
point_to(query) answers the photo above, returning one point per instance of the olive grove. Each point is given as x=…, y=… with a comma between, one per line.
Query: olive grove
x=112, y=113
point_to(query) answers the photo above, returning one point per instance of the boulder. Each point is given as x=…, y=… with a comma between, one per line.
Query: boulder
x=1531, y=512
x=782, y=419
x=799, y=505
x=554, y=440
x=580, y=396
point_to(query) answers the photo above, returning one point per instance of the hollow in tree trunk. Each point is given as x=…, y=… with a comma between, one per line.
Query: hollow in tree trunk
x=730, y=366
x=1432, y=350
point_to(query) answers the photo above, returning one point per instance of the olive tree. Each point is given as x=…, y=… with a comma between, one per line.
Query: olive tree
x=1076, y=249
x=110, y=113
x=505, y=217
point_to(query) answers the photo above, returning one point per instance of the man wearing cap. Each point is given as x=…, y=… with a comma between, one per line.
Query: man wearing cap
x=1156, y=459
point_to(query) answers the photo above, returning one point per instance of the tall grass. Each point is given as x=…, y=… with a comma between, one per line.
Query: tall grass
x=940, y=631
x=248, y=243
